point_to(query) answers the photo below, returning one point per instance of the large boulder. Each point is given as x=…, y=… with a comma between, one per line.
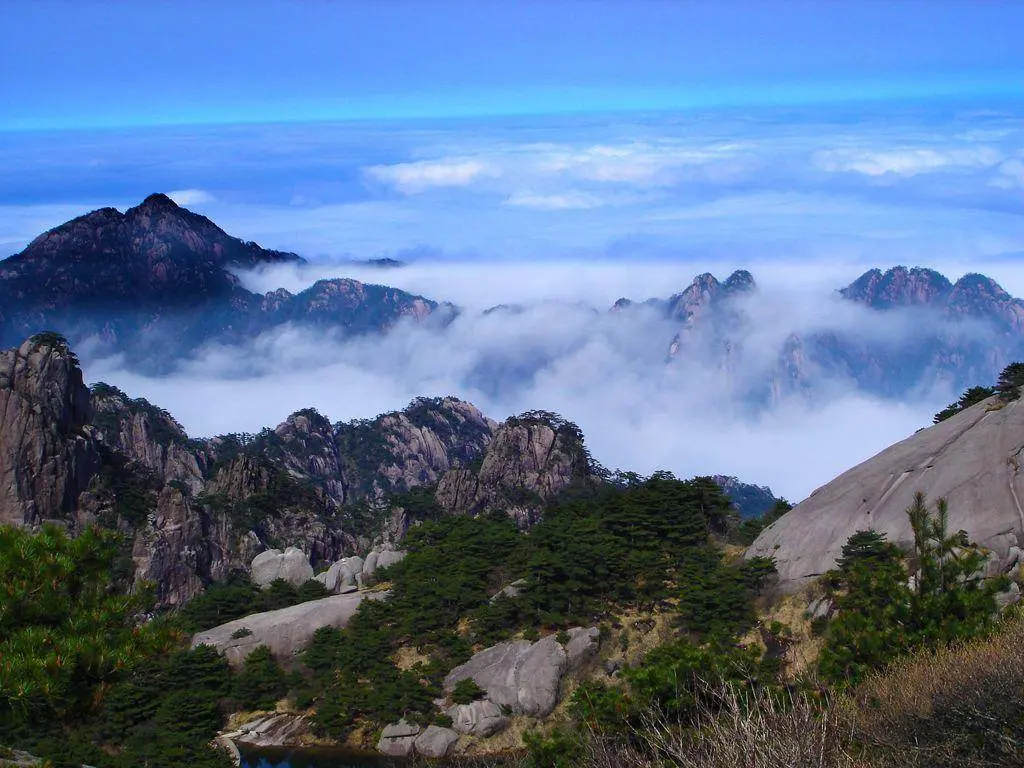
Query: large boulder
x=973, y=460
x=524, y=677
x=285, y=631
x=292, y=565
x=346, y=575
x=398, y=739
x=435, y=742
x=479, y=718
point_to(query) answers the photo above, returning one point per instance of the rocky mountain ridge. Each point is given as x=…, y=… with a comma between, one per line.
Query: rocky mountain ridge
x=158, y=281
x=197, y=511
x=944, y=333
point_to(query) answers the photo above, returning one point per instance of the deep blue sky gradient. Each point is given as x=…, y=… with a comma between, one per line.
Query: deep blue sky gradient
x=88, y=64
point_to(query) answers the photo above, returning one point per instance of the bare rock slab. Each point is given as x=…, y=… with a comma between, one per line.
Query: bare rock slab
x=286, y=631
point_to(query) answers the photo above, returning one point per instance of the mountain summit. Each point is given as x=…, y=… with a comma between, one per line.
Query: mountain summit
x=157, y=281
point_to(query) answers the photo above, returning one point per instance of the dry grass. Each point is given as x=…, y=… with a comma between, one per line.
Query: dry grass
x=754, y=730
x=958, y=706
x=801, y=657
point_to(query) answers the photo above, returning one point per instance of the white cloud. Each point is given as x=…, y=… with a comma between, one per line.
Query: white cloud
x=1011, y=175
x=413, y=178
x=564, y=351
x=569, y=200
x=907, y=161
x=187, y=197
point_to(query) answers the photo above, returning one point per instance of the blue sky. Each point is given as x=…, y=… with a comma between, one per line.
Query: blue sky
x=83, y=64
x=536, y=151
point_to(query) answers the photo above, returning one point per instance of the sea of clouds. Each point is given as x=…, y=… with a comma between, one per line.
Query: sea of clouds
x=557, y=219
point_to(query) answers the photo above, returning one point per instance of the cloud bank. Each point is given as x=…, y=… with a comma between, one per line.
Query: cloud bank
x=567, y=353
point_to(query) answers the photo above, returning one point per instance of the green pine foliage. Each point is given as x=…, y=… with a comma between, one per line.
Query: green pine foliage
x=970, y=397
x=890, y=602
x=261, y=683
x=239, y=597
x=84, y=678
x=1011, y=379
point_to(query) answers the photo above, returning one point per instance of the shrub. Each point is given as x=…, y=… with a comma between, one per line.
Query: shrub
x=466, y=691
x=261, y=682
x=956, y=706
x=747, y=729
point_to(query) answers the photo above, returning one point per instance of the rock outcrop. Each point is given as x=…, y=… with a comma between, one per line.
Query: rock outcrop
x=398, y=739
x=523, y=677
x=285, y=631
x=292, y=566
x=531, y=459
x=973, y=460
x=481, y=718
x=277, y=730
x=48, y=452
x=435, y=742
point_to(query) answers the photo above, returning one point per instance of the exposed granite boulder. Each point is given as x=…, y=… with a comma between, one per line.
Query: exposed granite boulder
x=435, y=742
x=973, y=460
x=582, y=646
x=345, y=575
x=292, y=566
x=479, y=718
x=398, y=739
x=525, y=677
x=277, y=730
x=48, y=453
x=286, y=631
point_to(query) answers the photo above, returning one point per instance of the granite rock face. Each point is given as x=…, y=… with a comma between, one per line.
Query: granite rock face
x=435, y=742
x=398, y=739
x=479, y=718
x=524, y=677
x=292, y=566
x=286, y=631
x=531, y=459
x=973, y=460
x=48, y=453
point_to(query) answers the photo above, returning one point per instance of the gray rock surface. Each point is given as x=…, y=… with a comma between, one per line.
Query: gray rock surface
x=286, y=631
x=292, y=565
x=529, y=460
x=343, y=576
x=435, y=742
x=276, y=730
x=479, y=718
x=524, y=677
x=48, y=453
x=582, y=646
x=973, y=459
x=398, y=739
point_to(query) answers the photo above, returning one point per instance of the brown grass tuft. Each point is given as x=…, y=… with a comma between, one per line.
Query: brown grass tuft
x=957, y=706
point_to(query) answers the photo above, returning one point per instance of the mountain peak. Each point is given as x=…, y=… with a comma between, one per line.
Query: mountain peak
x=898, y=287
x=159, y=201
x=740, y=281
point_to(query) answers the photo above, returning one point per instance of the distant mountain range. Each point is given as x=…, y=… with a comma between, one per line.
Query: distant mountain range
x=923, y=330
x=158, y=281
